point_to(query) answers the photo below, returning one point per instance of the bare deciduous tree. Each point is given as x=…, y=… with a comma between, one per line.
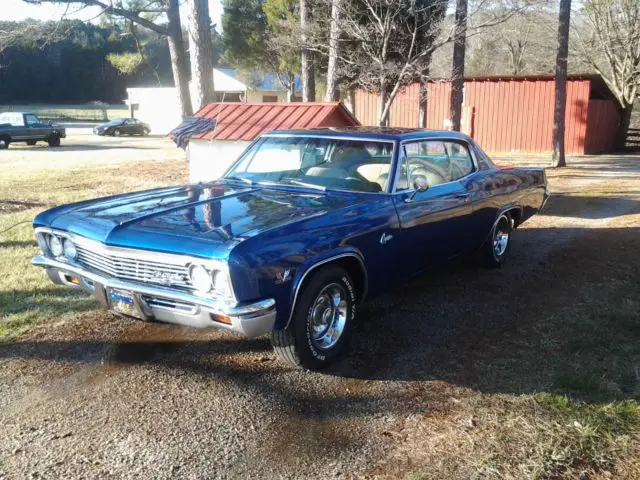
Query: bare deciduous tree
x=564, y=16
x=388, y=44
x=201, y=52
x=609, y=42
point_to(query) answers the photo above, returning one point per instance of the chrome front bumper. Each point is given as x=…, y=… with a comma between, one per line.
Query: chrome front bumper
x=165, y=304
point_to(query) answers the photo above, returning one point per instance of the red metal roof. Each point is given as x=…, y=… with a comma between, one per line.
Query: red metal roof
x=246, y=121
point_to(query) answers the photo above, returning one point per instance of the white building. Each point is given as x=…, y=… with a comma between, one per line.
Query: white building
x=159, y=106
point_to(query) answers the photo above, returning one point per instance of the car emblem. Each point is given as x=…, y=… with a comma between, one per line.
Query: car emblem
x=283, y=276
x=165, y=278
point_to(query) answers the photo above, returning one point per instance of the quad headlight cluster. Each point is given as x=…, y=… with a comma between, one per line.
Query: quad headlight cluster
x=205, y=280
x=58, y=246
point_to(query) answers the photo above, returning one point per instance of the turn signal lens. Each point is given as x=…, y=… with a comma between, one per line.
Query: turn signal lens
x=55, y=245
x=69, y=249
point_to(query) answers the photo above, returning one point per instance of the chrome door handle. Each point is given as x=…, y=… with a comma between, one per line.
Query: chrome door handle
x=385, y=238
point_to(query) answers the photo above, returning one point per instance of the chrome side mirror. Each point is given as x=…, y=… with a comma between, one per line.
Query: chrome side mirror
x=420, y=184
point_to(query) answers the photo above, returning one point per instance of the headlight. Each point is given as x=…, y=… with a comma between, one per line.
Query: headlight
x=221, y=283
x=69, y=249
x=200, y=278
x=55, y=246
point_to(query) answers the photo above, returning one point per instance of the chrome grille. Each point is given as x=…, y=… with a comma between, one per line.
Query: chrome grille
x=144, y=271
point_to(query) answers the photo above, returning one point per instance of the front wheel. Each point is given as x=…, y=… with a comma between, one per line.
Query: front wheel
x=320, y=329
x=494, y=251
x=54, y=141
x=117, y=133
x=4, y=143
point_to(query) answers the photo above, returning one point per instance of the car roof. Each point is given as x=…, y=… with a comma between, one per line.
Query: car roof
x=373, y=133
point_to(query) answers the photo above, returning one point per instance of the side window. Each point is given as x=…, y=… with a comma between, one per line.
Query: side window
x=427, y=158
x=460, y=160
x=31, y=120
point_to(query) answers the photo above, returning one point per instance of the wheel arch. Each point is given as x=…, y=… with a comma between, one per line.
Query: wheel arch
x=352, y=262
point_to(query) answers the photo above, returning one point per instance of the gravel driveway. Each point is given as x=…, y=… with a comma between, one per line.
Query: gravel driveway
x=102, y=397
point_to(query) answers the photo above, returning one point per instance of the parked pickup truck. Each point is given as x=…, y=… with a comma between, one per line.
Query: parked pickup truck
x=28, y=128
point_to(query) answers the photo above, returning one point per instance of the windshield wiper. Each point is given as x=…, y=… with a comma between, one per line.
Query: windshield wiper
x=306, y=185
x=241, y=179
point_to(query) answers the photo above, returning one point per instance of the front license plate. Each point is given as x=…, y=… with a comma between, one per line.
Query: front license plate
x=122, y=301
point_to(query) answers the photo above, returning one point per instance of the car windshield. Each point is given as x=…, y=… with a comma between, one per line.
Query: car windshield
x=317, y=162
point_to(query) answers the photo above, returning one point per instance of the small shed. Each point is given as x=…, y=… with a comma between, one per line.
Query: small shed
x=238, y=124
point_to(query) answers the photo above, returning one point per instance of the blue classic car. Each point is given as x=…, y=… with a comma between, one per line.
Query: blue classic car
x=301, y=229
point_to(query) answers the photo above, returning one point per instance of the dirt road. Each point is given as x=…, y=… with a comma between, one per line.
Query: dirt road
x=102, y=397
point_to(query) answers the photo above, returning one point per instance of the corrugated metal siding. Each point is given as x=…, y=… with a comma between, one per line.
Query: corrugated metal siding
x=602, y=125
x=509, y=115
x=246, y=121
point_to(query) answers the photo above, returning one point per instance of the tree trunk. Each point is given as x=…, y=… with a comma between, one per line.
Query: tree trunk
x=333, y=94
x=457, y=71
x=201, y=52
x=423, y=101
x=291, y=87
x=623, y=128
x=383, y=120
x=178, y=58
x=308, y=68
x=558, y=159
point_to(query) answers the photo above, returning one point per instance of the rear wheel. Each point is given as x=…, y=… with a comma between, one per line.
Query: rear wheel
x=494, y=251
x=4, y=142
x=54, y=141
x=31, y=143
x=320, y=329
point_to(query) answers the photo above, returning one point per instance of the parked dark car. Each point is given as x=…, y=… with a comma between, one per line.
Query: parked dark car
x=28, y=128
x=122, y=126
x=302, y=228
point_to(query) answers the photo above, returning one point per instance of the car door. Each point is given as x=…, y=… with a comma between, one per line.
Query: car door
x=433, y=222
x=127, y=127
x=34, y=128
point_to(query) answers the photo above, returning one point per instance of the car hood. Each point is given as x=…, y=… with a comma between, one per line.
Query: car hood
x=205, y=219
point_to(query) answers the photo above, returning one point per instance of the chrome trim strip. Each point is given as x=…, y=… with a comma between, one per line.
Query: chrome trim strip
x=320, y=263
x=137, y=254
x=443, y=139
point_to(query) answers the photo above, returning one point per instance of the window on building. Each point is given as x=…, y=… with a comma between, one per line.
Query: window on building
x=270, y=98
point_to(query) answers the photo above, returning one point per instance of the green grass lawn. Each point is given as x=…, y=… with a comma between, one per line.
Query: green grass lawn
x=27, y=296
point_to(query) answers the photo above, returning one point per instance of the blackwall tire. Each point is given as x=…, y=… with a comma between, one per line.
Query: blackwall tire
x=4, y=143
x=496, y=248
x=117, y=133
x=54, y=141
x=320, y=330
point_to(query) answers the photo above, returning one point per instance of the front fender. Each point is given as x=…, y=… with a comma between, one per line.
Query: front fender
x=287, y=301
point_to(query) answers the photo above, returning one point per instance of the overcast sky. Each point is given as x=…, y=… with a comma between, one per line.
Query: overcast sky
x=19, y=10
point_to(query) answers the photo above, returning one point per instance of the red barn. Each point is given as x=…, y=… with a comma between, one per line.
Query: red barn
x=511, y=114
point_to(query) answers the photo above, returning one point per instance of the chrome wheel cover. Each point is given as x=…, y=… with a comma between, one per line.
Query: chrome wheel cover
x=328, y=316
x=500, y=238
